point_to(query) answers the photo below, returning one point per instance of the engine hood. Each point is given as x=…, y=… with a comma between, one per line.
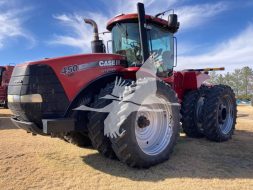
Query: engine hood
x=76, y=59
x=73, y=72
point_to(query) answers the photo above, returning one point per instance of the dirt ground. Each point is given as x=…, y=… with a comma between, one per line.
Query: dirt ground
x=4, y=112
x=36, y=162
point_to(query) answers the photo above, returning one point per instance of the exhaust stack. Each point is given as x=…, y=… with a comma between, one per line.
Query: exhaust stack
x=97, y=46
x=143, y=31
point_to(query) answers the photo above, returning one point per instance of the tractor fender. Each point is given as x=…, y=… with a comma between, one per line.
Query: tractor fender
x=93, y=86
x=192, y=80
x=184, y=81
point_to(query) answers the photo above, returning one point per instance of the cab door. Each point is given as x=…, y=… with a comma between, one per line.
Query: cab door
x=161, y=43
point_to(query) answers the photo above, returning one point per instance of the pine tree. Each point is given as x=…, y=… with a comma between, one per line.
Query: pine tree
x=246, y=76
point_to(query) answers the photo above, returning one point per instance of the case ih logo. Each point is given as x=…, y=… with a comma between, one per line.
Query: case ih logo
x=109, y=63
x=68, y=70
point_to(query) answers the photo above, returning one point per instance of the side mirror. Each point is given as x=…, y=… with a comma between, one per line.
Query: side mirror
x=173, y=22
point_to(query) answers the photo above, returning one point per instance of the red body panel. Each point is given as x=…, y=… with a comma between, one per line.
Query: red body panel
x=4, y=83
x=76, y=81
x=183, y=81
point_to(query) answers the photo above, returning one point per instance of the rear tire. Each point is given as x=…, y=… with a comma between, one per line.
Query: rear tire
x=142, y=147
x=192, y=112
x=219, y=113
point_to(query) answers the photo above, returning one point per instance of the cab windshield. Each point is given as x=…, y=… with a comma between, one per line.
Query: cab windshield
x=126, y=41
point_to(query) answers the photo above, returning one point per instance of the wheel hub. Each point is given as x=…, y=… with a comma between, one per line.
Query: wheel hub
x=199, y=112
x=153, y=129
x=143, y=122
x=225, y=115
x=222, y=113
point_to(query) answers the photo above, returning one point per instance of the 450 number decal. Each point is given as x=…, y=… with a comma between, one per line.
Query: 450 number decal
x=69, y=69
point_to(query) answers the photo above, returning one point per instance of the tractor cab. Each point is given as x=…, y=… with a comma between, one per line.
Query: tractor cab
x=126, y=41
x=137, y=36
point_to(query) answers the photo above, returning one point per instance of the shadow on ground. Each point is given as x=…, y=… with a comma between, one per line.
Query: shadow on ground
x=192, y=158
x=6, y=123
x=242, y=115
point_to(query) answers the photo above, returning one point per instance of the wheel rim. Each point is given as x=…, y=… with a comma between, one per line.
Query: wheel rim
x=226, y=115
x=154, y=131
x=199, y=112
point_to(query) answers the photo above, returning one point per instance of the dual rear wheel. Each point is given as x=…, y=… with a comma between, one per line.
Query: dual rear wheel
x=209, y=112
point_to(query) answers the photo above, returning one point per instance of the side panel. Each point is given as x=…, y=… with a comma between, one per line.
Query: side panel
x=190, y=80
x=185, y=81
x=201, y=78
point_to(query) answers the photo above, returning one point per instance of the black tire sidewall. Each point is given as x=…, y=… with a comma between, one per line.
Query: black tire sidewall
x=216, y=97
x=230, y=133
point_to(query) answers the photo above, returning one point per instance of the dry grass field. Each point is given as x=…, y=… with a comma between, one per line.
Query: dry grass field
x=36, y=162
x=4, y=112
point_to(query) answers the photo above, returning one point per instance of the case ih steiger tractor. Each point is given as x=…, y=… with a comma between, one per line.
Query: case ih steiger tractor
x=43, y=94
x=5, y=76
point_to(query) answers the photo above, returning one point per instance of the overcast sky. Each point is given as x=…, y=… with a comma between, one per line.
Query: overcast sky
x=212, y=33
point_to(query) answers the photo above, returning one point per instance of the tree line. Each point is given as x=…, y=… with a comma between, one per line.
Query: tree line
x=241, y=81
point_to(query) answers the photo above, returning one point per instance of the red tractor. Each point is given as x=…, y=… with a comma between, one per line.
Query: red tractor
x=43, y=95
x=5, y=75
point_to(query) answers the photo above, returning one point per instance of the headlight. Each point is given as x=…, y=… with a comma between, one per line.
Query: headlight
x=30, y=98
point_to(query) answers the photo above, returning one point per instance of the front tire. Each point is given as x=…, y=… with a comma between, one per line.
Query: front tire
x=80, y=137
x=96, y=123
x=77, y=138
x=148, y=137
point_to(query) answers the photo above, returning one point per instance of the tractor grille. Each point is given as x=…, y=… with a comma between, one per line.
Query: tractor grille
x=37, y=79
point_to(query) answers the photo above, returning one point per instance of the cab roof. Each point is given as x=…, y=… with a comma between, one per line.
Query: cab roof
x=125, y=18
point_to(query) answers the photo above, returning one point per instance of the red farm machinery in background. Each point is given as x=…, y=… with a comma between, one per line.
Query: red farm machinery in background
x=5, y=76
